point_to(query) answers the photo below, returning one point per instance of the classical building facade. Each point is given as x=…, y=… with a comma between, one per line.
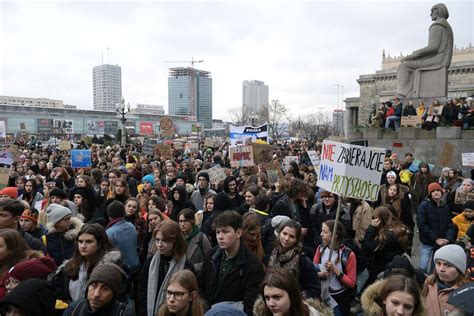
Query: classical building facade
x=381, y=86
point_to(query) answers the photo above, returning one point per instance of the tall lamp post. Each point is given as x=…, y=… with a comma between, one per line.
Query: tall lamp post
x=123, y=111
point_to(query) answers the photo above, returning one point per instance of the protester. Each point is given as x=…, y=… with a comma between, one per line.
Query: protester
x=182, y=296
x=35, y=268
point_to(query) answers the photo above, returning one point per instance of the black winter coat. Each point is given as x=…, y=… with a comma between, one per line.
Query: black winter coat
x=241, y=283
x=434, y=221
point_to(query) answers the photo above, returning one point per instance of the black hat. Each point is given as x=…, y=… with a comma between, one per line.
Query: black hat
x=116, y=209
x=204, y=175
x=57, y=192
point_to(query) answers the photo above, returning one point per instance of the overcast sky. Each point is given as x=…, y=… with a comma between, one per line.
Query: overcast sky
x=300, y=49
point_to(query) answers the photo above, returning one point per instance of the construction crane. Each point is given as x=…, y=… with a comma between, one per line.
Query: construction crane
x=192, y=61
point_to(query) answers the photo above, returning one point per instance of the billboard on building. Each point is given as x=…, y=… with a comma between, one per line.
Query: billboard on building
x=95, y=127
x=130, y=127
x=3, y=128
x=146, y=128
x=45, y=126
x=111, y=127
x=63, y=126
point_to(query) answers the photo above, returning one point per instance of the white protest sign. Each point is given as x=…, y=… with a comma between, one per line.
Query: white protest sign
x=5, y=156
x=216, y=174
x=468, y=159
x=314, y=157
x=286, y=162
x=351, y=170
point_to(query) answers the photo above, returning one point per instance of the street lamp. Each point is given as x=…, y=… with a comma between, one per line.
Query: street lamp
x=123, y=111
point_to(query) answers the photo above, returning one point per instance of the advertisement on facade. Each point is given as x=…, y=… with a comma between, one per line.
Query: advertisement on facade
x=45, y=126
x=95, y=127
x=146, y=128
x=63, y=126
x=111, y=127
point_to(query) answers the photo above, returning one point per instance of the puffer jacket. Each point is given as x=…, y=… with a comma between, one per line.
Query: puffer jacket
x=434, y=221
x=371, y=297
x=60, y=246
x=316, y=307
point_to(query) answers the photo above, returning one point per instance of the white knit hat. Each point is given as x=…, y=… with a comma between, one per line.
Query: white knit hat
x=454, y=255
x=56, y=212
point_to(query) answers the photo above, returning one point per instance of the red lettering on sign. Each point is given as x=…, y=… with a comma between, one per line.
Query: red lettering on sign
x=328, y=151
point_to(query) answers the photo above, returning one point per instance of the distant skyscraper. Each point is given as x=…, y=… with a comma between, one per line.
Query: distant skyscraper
x=107, y=86
x=190, y=94
x=254, y=95
x=338, y=122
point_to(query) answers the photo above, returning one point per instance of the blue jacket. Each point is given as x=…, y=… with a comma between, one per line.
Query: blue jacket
x=123, y=236
x=434, y=222
x=398, y=110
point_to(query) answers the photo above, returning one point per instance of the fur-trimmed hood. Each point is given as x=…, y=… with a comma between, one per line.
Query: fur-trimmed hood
x=371, y=295
x=316, y=307
x=72, y=232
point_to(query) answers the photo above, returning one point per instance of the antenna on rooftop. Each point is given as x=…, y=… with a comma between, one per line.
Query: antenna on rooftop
x=102, y=52
x=108, y=56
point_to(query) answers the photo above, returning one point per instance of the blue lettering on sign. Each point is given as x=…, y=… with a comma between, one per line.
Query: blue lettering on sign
x=326, y=173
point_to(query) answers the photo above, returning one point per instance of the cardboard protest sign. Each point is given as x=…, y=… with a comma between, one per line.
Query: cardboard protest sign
x=462, y=197
x=263, y=154
x=167, y=127
x=81, y=158
x=351, y=170
x=208, y=142
x=287, y=160
x=5, y=156
x=446, y=155
x=162, y=150
x=272, y=176
x=314, y=157
x=241, y=156
x=4, y=175
x=148, y=147
x=216, y=174
x=468, y=159
x=411, y=120
x=64, y=145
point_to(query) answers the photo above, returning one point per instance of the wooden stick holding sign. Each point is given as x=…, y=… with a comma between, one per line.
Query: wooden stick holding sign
x=350, y=171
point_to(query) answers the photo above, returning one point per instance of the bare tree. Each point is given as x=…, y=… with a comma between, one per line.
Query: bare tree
x=277, y=118
x=240, y=116
x=313, y=125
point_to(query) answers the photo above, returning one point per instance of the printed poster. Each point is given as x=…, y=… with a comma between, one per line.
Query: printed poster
x=81, y=158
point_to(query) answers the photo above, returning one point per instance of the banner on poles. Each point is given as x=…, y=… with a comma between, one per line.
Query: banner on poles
x=244, y=134
x=241, y=156
x=351, y=170
x=216, y=174
x=81, y=158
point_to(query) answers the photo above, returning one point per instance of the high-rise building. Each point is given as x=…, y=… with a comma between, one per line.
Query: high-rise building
x=107, y=86
x=254, y=96
x=338, y=122
x=190, y=94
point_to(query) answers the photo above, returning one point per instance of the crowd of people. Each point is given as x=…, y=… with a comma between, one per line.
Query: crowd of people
x=456, y=112
x=141, y=235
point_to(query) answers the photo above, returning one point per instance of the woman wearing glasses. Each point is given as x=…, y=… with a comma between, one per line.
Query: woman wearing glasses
x=169, y=258
x=181, y=296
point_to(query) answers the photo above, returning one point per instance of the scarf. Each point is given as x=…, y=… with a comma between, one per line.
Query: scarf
x=288, y=260
x=154, y=298
x=194, y=232
x=112, y=222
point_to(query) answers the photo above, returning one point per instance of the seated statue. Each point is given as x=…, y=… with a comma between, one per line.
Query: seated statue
x=435, y=56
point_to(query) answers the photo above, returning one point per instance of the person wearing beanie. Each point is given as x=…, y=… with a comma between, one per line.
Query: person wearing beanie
x=9, y=192
x=103, y=287
x=36, y=268
x=463, y=221
x=33, y=297
x=123, y=236
x=62, y=230
x=148, y=179
x=181, y=180
x=198, y=196
x=58, y=196
x=449, y=274
x=29, y=223
x=435, y=225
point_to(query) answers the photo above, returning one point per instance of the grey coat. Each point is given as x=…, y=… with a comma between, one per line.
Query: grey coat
x=199, y=247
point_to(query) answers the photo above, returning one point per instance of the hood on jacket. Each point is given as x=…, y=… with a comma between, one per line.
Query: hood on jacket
x=370, y=300
x=72, y=232
x=222, y=202
x=183, y=195
x=316, y=307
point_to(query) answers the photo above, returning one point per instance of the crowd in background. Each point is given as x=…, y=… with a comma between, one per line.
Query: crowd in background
x=137, y=235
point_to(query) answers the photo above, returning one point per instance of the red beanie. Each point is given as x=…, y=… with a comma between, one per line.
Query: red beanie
x=10, y=191
x=37, y=268
x=32, y=215
x=434, y=186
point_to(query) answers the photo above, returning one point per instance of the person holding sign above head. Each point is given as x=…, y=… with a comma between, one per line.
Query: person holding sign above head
x=455, y=199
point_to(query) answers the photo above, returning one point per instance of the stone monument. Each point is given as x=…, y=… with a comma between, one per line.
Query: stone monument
x=424, y=73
